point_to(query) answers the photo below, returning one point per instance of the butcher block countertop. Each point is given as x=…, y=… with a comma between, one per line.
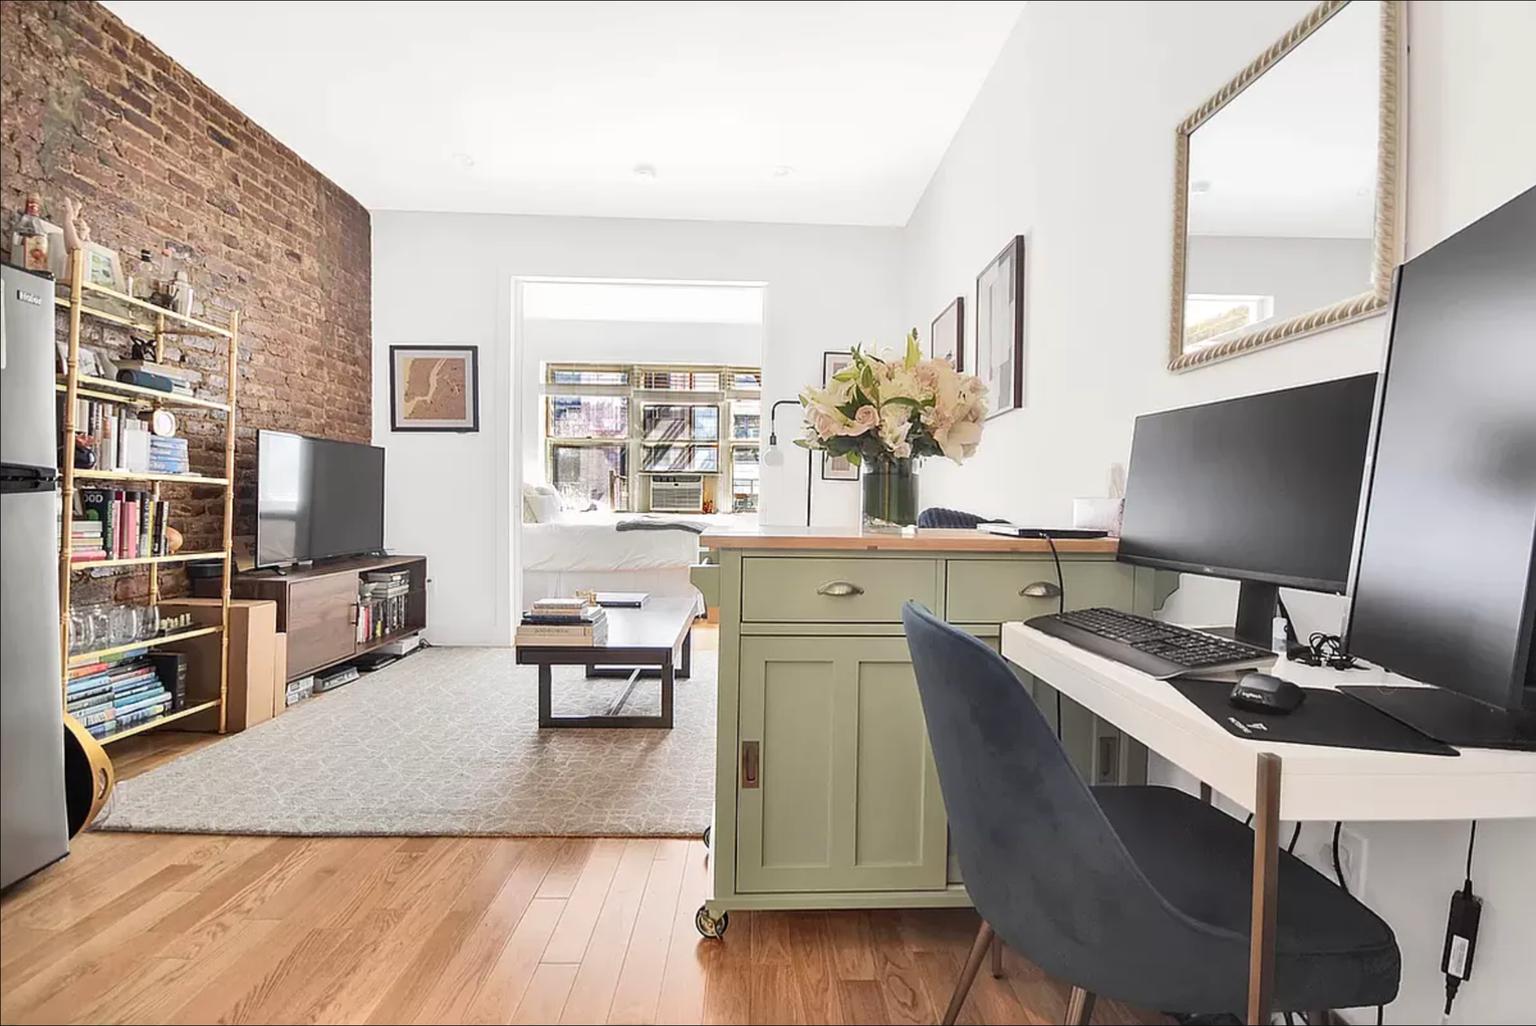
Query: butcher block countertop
x=853, y=539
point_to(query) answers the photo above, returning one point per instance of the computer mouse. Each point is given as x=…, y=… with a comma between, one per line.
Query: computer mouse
x=1266, y=693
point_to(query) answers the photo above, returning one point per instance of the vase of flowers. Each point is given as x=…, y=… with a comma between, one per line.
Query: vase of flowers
x=884, y=413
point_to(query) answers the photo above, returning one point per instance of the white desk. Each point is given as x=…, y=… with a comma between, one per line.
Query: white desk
x=1320, y=783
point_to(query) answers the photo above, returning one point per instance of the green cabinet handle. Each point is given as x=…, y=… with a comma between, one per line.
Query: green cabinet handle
x=839, y=589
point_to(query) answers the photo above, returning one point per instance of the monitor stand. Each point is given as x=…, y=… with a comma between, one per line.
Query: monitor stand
x=1450, y=717
x=1257, y=605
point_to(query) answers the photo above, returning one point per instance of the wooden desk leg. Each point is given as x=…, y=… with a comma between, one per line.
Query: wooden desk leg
x=546, y=682
x=1205, y=792
x=1266, y=881
x=687, y=668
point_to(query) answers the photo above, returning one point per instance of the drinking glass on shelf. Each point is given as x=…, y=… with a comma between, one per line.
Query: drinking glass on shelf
x=148, y=622
x=80, y=629
x=124, y=627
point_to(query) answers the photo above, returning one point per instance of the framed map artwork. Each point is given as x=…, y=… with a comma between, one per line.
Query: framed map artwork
x=434, y=388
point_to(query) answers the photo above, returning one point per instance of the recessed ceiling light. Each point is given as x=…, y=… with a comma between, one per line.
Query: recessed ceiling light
x=1201, y=186
x=645, y=170
x=783, y=171
x=464, y=160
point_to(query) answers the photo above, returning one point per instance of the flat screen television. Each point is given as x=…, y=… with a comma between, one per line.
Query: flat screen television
x=316, y=498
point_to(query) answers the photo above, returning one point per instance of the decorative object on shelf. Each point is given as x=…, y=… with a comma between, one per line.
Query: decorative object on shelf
x=947, y=335
x=1000, y=328
x=181, y=294
x=835, y=467
x=173, y=540
x=434, y=388
x=884, y=413
x=102, y=266
x=162, y=423
x=36, y=244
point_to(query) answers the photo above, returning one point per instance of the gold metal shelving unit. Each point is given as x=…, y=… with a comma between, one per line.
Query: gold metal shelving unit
x=104, y=304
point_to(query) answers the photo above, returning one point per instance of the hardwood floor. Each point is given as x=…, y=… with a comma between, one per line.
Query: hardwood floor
x=197, y=929
x=174, y=928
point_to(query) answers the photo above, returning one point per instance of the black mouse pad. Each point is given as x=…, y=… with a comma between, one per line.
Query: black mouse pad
x=1325, y=717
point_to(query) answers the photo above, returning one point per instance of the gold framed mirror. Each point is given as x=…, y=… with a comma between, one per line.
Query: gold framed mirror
x=1288, y=187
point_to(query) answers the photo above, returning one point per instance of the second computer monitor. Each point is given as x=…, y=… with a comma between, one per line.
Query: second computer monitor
x=1264, y=489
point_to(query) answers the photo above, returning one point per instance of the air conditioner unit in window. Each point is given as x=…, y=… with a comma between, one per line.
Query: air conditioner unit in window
x=677, y=493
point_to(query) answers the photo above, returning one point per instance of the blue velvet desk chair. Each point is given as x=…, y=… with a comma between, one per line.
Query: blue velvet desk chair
x=1135, y=893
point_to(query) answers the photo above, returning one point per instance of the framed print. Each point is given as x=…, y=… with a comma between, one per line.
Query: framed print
x=835, y=468
x=1000, y=328
x=434, y=388
x=946, y=338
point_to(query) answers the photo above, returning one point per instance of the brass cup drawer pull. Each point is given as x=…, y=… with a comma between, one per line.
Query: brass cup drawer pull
x=839, y=589
x=1040, y=589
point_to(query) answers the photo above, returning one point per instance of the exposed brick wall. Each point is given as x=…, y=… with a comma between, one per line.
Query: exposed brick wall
x=92, y=110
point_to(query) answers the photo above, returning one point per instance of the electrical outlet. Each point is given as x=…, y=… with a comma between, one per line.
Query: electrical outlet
x=1352, y=852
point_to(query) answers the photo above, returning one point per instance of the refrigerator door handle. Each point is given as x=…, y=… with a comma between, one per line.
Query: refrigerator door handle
x=18, y=477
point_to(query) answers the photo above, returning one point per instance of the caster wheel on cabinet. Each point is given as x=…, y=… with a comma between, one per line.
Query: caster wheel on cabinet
x=710, y=927
x=706, y=837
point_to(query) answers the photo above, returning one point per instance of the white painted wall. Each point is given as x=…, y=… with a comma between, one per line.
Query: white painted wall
x=564, y=341
x=441, y=278
x=1302, y=274
x=1071, y=143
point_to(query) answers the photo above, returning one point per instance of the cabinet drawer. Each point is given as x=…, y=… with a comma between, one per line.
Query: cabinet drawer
x=838, y=590
x=991, y=590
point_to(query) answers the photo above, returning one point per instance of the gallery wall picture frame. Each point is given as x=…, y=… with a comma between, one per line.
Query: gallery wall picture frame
x=946, y=338
x=434, y=388
x=1000, y=312
x=835, y=468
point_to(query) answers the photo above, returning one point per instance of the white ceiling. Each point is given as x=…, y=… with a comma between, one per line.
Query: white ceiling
x=548, y=108
x=1294, y=154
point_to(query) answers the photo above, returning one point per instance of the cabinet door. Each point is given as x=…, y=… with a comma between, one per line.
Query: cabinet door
x=847, y=795
x=321, y=628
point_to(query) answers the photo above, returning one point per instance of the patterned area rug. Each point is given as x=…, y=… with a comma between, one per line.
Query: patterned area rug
x=445, y=742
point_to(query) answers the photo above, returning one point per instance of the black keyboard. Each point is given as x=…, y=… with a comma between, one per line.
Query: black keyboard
x=1160, y=649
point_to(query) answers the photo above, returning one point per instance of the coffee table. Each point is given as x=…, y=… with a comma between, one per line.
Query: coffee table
x=657, y=636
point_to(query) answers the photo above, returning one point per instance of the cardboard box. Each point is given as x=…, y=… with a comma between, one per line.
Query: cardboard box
x=253, y=649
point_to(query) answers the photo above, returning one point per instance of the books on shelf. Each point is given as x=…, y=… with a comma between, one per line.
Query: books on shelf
x=113, y=694
x=120, y=440
x=130, y=524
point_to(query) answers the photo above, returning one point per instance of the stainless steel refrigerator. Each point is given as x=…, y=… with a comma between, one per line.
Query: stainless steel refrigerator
x=33, y=830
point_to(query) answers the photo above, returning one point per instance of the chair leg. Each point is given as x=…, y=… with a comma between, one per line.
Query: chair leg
x=1080, y=1007
x=997, y=957
x=968, y=974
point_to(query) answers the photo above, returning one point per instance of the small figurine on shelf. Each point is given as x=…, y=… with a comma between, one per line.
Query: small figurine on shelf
x=102, y=266
x=85, y=452
x=145, y=348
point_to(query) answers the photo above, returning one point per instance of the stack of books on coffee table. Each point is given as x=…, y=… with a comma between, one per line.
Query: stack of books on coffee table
x=563, y=623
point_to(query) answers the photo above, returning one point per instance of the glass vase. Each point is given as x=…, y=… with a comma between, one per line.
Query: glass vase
x=890, y=494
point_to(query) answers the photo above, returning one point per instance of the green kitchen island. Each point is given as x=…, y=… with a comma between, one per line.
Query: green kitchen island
x=826, y=794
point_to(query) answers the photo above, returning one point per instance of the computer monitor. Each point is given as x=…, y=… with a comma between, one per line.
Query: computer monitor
x=1264, y=489
x=1444, y=589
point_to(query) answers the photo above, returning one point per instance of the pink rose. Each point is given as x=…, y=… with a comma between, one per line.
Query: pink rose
x=864, y=420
